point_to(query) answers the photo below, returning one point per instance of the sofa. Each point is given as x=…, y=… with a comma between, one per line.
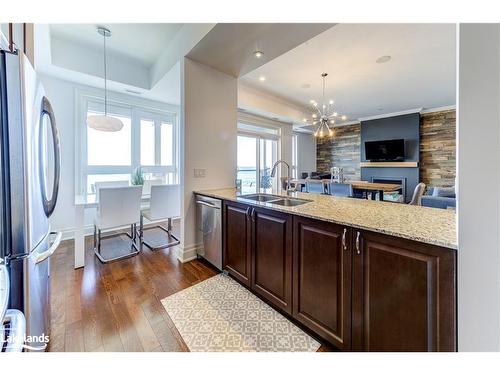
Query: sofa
x=440, y=197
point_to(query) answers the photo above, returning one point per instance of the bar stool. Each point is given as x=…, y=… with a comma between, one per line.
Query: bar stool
x=164, y=205
x=340, y=189
x=315, y=186
x=118, y=207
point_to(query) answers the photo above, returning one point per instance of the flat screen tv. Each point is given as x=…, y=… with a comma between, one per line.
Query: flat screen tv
x=388, y=150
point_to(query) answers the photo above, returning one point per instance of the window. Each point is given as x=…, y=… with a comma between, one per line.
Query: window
x=167, y=140
x=147, y=140
x=98, y=144
x=247, y=163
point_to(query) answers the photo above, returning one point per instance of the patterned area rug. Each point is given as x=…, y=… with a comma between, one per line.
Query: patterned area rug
x=219, y=315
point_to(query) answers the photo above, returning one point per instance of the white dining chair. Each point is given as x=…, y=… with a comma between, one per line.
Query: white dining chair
x=164, y=204
x=146, y=187
x=108, y=184
x=118, y=207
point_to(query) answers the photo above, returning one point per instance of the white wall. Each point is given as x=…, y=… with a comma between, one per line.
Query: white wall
x=306, y=144
x=62, y=96
x=268, y=105
x=208, y=140
x=479, y=188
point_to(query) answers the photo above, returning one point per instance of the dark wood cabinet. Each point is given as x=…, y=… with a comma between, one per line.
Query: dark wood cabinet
x=358, y=290
x=236, y=241
x=322, y=279
x=272, y=257
x=404, y=296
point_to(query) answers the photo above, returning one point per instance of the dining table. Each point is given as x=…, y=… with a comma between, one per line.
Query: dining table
x=366, y=186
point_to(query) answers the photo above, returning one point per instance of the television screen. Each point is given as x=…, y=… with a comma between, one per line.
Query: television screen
x=389, y=150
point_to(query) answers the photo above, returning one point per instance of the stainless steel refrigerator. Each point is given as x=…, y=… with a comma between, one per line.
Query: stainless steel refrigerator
x=29, y=184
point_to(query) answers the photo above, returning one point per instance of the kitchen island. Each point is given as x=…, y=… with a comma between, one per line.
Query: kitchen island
x=363, y=275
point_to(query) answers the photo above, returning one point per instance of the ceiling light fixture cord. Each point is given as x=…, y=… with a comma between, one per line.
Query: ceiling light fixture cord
x=105, y=78
x=104, y=122
x=324, y=78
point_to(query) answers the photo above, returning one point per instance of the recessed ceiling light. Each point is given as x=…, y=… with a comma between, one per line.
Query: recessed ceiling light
x=262, y=78
x=383, y=59
x=258, y=54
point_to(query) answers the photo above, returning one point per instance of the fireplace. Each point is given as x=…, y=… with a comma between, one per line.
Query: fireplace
x=393, y=180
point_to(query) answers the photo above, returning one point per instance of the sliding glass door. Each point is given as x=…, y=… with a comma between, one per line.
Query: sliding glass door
x=247, y=163
x=256, y=157
x=268, y=155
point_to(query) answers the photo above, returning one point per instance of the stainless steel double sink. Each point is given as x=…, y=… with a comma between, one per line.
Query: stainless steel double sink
x=275, y=199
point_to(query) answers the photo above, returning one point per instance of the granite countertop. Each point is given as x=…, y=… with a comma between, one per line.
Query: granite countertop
x=423, y=224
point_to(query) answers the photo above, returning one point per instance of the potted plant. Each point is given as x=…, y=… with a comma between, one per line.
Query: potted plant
x=138, y=177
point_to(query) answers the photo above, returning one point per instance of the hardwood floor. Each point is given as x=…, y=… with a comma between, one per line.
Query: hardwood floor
x=117, y=306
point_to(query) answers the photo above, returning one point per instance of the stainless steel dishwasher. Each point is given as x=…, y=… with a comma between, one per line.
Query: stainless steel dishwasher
x=209, y=218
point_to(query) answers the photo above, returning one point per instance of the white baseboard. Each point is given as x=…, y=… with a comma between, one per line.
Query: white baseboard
x=187, y=253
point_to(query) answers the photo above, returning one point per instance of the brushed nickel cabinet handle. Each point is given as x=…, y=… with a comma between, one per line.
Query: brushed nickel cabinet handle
x=344, y=245
x=358, y=250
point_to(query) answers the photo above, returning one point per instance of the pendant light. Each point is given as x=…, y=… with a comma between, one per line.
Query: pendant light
x=104, y=122
x=324, y=115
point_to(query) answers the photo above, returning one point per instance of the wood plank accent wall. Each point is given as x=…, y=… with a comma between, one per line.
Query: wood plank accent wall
x=437, y=149
x=340, y=150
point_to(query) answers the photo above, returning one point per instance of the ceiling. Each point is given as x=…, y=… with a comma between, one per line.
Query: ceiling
x=230, y=47
x=420, y=73
x=138, y=41
x=142, y=59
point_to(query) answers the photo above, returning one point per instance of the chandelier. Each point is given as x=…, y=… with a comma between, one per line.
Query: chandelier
x=324, y=115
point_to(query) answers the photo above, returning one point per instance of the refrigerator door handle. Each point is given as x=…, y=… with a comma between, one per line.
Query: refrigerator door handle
x=50, y=205
x=46, y=254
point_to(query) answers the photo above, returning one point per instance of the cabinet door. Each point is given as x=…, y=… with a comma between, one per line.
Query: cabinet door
x=403, y=295
x=322, y=279
x=272, y=257
x=237, y=241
